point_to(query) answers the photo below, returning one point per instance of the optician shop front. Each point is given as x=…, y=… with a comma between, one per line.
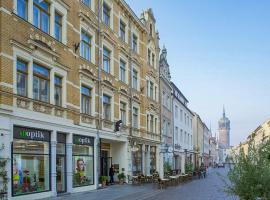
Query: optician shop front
x=51, y=162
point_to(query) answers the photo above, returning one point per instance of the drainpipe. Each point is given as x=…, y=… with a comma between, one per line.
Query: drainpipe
x=98, y=143
x=130, y=90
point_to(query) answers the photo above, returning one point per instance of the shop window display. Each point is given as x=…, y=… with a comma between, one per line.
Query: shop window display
x=83, y=161
x=31, y=164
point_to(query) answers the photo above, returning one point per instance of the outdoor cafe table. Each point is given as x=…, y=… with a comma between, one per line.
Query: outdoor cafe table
x=135, y=179
x=149, y=178
x=183, y=177
x=165, y=182
x=174, y=179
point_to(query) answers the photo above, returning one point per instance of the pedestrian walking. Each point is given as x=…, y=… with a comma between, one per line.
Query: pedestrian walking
x=111, y=174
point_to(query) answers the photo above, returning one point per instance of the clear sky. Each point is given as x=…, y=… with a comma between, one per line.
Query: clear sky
x=219, y=53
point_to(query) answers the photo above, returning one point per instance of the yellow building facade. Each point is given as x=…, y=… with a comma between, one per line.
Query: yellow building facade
x=260, y=134
x=70, y=71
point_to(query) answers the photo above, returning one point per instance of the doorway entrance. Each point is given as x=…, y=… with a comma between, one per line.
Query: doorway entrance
x=61, y=163
x=60, y=174
x=106, y=162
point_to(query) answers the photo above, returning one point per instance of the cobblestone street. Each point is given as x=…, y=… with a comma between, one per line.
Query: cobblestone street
x=209, y=188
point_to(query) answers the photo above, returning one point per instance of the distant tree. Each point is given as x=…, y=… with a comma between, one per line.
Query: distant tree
x=250, y=177
x=167, y=166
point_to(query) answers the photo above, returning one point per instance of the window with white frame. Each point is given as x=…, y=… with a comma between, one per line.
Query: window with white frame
x=22, y=9
x=164, y=127
x=135, y=117
x=41, y=15
x=41, y=80
x=41, y=12
x=134, y=43
x=106, y=59
x=163, y=98
x=176, y=111
x=185, y=116
x=149, y=56
x=85, y=100
x=123, y=112
x=176, y=135
x=151, y=90
x=151, y=123
x=156, y=93
x=181, y=136
x=85, y=50
x=135, y=79
x=106, y=107
x=22, y=76
x=156, y=128
x=122, y=31
x=58, y=26
x=58, y=90
x=153, y=60
x=122, y=71
x=181, y=115
x=168, y=103
x=106, y=14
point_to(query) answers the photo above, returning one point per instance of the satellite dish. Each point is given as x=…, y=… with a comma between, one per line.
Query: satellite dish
x=170, y=149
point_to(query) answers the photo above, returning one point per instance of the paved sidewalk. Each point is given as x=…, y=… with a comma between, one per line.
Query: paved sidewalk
x=115, y=192
x=210, y=188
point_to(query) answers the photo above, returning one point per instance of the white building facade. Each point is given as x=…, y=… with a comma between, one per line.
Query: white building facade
x=182, y=131
x=206, y=147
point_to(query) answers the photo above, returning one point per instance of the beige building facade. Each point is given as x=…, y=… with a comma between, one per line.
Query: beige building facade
x=69, y=71
x=260, y=134
x=198, y=130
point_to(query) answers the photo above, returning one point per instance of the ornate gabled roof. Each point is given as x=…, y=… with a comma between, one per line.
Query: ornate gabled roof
x=164, y=66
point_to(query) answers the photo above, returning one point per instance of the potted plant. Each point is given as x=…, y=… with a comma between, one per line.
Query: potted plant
x=103, y=180
x=121, y=177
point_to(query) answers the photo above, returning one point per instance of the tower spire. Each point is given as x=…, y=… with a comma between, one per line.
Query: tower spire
x=224, y=111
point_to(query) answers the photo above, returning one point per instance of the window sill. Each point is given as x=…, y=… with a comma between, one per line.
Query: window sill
x=85, y=60
x=107, y=26
x=123, y=82
x=107, y=73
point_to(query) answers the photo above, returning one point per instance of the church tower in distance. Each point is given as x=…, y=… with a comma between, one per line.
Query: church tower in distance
x=224, y=131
